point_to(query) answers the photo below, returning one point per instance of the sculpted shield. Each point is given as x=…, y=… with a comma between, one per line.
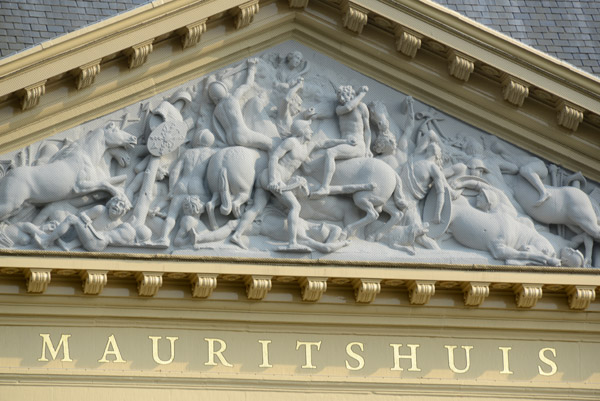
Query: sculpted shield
x=167, y=137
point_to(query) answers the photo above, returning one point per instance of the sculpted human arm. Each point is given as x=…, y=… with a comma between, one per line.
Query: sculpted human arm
x=439, y=182
x=284, y=147
x=174, y=174
x=242, y=89
x=365, y=117
x=92, y=214
x=352, y=104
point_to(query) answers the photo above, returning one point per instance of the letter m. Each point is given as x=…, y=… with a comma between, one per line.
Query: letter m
x=47, y=344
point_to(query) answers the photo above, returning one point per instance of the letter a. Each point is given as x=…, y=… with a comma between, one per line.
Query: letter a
x=112, y=349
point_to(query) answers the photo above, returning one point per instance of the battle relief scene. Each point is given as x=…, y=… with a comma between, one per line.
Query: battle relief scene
x=292, y=154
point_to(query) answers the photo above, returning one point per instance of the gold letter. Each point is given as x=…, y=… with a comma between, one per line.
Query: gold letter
x=352, y=354
x=265, y=354
x=112, y=343
x=412, y=357
x=549, y=362
x=64, y=341
x=505, y=367
x=219, y=353
x=155, y=349
x=451, y=364
x=308, y=352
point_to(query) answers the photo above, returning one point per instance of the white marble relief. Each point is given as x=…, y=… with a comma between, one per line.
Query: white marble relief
x=291, y=154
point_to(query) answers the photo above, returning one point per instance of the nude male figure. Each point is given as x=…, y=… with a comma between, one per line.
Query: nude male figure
x=188, y=178
x=353, y=116
x=96, y=228
x=279, y=180
x=228, y=113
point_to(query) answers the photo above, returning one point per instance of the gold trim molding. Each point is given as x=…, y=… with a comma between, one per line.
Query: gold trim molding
x=243, y=15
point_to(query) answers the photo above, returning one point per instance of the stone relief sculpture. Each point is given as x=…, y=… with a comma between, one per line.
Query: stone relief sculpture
x=291, y=154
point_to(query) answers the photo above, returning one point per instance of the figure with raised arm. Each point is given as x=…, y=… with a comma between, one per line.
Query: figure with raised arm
x=228, y=116
x=96, y=228
x=353, y=116
x=279, y=180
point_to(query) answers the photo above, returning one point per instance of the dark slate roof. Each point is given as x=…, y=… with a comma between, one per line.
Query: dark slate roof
x=567, y=30
x=25, y=23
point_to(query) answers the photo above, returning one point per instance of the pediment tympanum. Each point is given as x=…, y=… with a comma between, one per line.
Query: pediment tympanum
x=292, y=154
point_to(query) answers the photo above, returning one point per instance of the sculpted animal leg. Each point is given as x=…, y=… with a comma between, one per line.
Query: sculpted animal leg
x=210, y=210
x=12, y=196
x=261, y=197
x=225, y=193
x=363, y=203
x=238, y=203
x=395, y=217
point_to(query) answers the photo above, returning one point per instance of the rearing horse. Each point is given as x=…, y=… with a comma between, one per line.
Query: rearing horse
x=72, y=171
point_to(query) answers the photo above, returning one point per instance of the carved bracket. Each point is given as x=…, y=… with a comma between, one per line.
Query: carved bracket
x=365, y=290
x=527, y=295
x=138, y=54
x=30, y=95
x=580, y=296
x=191, y=34
x=312, y=288
x=93, y=281
x=568, y=115
x=243, y=14
x=298, y=3
x=257, y=287
x=86, y=74
x=475, y=293
x=514, y=90
x=148, y=283
x=407, y=41
x=460, y=65
x=37, y=280
x=354, y=16
x=420, y=291
x=203, y=285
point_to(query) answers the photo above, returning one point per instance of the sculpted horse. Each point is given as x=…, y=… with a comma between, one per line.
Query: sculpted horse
x=505, y=237
x=566, y=205
x=231, y=174
x=73, y=171
x=374, y=187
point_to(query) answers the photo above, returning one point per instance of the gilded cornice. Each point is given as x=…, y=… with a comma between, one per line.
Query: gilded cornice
x=309, y=279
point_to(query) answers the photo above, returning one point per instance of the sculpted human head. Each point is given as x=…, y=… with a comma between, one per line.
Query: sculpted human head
x=345, y=93
x=192, y=206
x=294, y=59
x=204, y=138
x=477, y=167
x=217, y=91
x=571, y=257
x=301, y=129
x=117, y=206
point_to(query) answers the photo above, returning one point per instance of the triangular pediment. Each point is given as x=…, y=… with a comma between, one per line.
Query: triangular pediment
x=220, y=162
